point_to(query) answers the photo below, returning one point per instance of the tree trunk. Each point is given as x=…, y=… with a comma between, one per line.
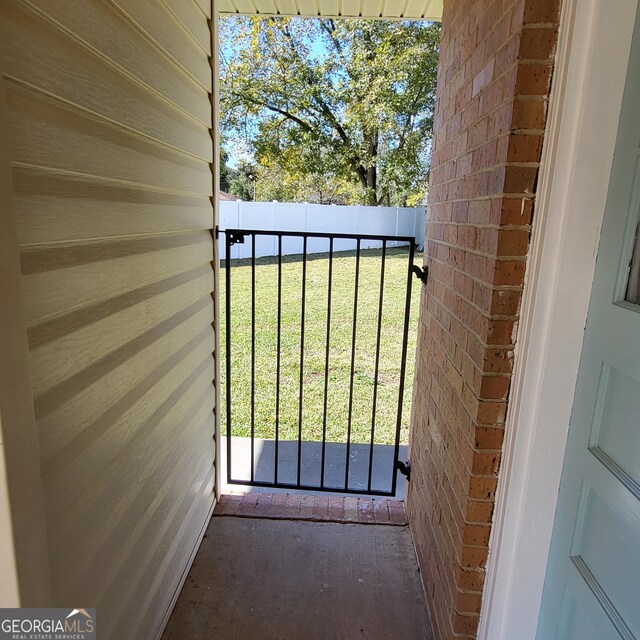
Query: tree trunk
x=369, y=175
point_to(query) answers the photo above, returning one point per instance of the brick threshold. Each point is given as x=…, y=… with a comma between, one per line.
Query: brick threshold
x=314, y=508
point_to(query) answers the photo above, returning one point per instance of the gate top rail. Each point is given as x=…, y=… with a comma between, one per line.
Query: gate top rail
x=318, y=234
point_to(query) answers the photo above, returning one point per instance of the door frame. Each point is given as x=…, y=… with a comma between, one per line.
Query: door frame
x=591, y=66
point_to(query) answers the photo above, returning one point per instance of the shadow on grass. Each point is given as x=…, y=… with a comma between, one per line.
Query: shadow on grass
x=298, y=257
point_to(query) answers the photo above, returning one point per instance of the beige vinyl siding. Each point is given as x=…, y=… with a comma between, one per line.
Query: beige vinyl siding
x=109, y=119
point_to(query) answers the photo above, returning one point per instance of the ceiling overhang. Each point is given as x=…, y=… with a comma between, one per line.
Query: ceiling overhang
x=385, y=9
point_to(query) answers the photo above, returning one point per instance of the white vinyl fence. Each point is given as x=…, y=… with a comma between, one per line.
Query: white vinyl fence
x=317, y=218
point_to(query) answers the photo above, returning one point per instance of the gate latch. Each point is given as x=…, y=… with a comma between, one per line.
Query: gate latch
x=404, y=468
x=421, y=273
x=236, y=237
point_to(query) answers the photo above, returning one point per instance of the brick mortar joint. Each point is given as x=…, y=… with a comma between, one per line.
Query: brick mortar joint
x=515, y=288
x=504, y=194
x=496, y=288
x=511, y=132
x=533, y=164
x=528, y=195
x=482, y=225
x=482, y=254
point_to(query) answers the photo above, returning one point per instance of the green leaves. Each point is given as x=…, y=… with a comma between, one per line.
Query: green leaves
x=344, y=102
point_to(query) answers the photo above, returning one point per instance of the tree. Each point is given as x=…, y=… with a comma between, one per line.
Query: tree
x=226, y=172
x=242, y=180
x=276, y=183
x=351, y=99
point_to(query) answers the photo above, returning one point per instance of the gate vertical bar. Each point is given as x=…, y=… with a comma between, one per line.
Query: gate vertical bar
x=326, y=366
x=253, y=353
x=353, y=362
x=227, y=276
x=304, y=295
x=403, y=367
x=278, y=340
x=377, y=363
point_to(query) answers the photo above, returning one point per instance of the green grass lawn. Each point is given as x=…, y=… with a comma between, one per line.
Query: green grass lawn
x=315, y=341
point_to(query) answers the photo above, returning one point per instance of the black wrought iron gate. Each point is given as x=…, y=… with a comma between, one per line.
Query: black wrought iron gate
x=289, y=457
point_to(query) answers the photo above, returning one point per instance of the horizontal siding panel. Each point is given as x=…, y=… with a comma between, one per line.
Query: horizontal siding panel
x=46, y=133
x=115, y=553
x=69, y=428
x=61, y=326
x=172, y=555
x=100, y=32
x=194, y=22
x=204, y=6
x=58, y=218
x=52, y=257
x=124, y=469
x=159, y=564
x=160, y=26
x=226, y=6
x=51, y=55
x=54, y=292
x=123, y=565
x=73, y=352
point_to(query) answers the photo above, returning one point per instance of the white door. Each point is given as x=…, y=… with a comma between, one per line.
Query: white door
x=592, y=586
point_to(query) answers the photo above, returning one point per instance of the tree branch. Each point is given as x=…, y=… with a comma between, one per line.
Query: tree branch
x=324, y=107
x=328, y=26
x=287, y=114
x=412, y=112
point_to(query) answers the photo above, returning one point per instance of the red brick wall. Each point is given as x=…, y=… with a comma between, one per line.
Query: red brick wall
x=494, y=79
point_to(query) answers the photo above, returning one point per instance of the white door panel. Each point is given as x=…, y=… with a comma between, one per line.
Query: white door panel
x=592, y=586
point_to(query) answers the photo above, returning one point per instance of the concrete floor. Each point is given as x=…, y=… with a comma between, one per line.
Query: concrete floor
x=336, y=453
x=256, y=579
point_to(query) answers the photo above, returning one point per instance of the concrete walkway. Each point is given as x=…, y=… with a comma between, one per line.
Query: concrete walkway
x=311, y=456
x=257, y=579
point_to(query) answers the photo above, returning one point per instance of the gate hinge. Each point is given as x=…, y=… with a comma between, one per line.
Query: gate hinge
x=421, y=273
x=404, y=468
x=236, y=237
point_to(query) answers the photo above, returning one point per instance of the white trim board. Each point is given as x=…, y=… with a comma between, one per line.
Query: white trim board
x=215, y=204
x=24, y=559
x=585, y=107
